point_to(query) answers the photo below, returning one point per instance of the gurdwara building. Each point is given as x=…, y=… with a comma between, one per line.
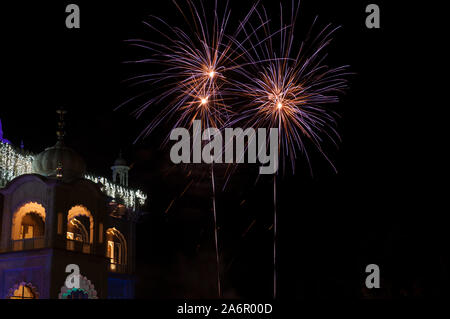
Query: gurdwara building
x=57, y=222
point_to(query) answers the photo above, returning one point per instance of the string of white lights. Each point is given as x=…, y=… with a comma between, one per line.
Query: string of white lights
x=16, y=162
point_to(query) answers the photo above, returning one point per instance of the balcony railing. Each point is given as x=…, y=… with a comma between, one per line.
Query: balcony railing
x=80, y=246
x=41, y=242
x=119, y=268
x=26, y=244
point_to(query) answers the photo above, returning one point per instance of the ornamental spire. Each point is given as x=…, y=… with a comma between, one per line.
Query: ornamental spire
x=60, y=133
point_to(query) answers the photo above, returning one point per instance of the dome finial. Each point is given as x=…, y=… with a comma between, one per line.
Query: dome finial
x=59, y=160
x=59, y=170
x=60, y=133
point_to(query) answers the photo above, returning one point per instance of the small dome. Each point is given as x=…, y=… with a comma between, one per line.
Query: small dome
x=120, y=161
x=48, y=162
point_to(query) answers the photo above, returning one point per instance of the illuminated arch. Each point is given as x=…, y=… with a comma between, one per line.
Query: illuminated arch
x=79, y=225
x=80, y=210
x=115, y=233
x=86, y=287
x=17, y=292
x=30, y=207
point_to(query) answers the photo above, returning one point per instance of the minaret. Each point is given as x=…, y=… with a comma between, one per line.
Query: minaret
x=3, y=140
x=120, y=169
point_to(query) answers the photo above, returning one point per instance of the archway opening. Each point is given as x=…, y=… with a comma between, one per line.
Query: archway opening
x=28, y=227
x=77, y=229
x=80, y=229
x=23, y=291
x=32, y=226
x=116, y=250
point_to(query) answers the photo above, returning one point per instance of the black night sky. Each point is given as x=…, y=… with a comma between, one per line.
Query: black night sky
x=381, y=207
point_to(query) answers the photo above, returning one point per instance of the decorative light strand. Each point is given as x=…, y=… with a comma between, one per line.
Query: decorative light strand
x=15, y=162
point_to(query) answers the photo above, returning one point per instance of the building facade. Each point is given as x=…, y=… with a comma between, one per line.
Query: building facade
x=54, y=216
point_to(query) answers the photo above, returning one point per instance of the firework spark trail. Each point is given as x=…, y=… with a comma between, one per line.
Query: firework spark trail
x=288, y=90
x=195, y=66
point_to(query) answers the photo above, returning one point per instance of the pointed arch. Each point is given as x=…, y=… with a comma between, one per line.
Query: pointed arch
x=23, y=290
x=116, y=249
x=80, y=210
x=21, y=212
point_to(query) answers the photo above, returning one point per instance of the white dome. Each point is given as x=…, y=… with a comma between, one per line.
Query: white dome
x=59, y=156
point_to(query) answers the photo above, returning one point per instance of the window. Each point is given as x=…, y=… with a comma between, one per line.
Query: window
x=114, y=252
x=26, y=231
x=23, y=292
x=80, y=221
x=60, y=223
x=31, y=226
x=100, y=233
x=28, y=222
x=77, y=230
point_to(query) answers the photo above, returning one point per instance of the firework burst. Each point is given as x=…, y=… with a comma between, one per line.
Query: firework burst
x=288, y=90
x=194, y=64
x=271, y=81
